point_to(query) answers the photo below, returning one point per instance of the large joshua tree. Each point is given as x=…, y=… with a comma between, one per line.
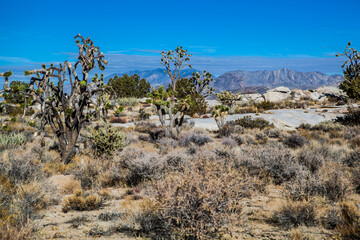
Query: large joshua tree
x=174, y=62
x=66, y=112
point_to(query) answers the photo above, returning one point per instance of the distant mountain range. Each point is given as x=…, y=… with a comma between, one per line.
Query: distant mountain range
x=156, y=77
x=249, y=81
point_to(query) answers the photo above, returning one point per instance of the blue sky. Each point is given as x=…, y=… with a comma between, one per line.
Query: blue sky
x=222, y=35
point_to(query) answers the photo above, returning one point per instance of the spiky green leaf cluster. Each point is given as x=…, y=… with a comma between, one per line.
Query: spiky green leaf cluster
x=228, y=98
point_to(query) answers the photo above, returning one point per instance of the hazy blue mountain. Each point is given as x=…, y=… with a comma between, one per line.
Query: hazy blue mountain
x=156, y=77
x=247, y=80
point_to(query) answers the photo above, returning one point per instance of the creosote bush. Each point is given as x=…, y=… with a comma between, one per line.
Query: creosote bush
x=248, y=122
x=199, y=139
x=295, y=214
x=106, y=139
x=198, y=203
x=294, y=141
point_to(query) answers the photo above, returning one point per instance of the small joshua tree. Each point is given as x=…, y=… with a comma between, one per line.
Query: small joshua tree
x=66, y=112
x=351, y=83
x=12, y=91
x=103, y=102
x=220, y=113
x=228, y=98
x=164, y=104
x=165, y=101
x=198, y=88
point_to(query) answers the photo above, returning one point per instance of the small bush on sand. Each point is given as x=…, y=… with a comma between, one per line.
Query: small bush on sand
x=195, y=204
x=294, y=141
x=79, y=202
x=199, y=139
x=248, y=122
x=350, y=227
x=106, y=139
x=275, y=161
x=12, y=140
x=295, y=214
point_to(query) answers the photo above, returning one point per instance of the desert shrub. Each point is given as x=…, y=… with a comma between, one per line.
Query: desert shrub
x=20, y=168
x=126, y=102
x=145, y=126
x=166, y=144
x=352, y=159
x=10, y=232
x=266, y=105
x=176, y=161
x=110, y=216
x=332, y=185
x=272, y=133
x=294, y=141
x=295, y=214
x=261, y=138
x=350, y=227
x=356, y=179
x=226, y=130
x=238, y=138
x=331, y=219
x=311, y=158
x=355, y=141
x=12, y=140
x=106, y=139
x=275, y=161
x=248, y=122
x=88, y=171
x=230, y=142
x=351, y=118
x=78, y=221
x=195, y=204
x=141, y=166
x=80, y=202
x=325, y=126
x=198, y=139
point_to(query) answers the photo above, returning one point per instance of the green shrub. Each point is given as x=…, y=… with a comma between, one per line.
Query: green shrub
x=12, y=140
x=266, y=105
x=127, y=101
x=351, y=118
x=325, y=126
x=106, y=139
x=248, y=122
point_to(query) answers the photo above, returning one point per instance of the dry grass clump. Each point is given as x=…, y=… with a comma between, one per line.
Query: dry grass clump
x=199, y=139
x=11, y=232
x=81, y=202
x=294, y=214
x=349, y=229
x=277, y=162
x=331, y=183
x=198, y=203
x=141, y=166
x=294, y=141
x=325, y=126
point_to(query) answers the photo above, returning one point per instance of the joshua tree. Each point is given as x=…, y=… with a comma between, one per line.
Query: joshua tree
x=66, y=112
x=198, y=88
x=165, y=101
x=12, y=91
x=228, y=98
x=351, y=83
x=103, y=102
x=220, y=113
